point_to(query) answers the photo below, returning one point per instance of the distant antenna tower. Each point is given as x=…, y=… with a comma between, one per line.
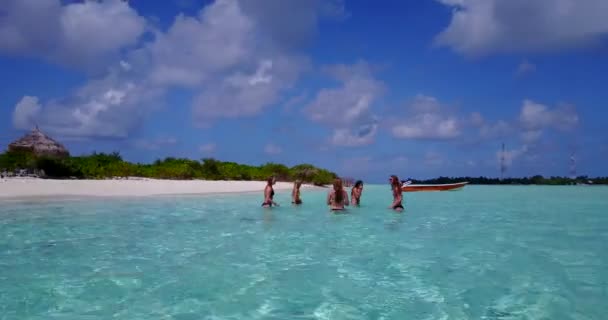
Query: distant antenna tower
x=572, y=166
x=503, y=167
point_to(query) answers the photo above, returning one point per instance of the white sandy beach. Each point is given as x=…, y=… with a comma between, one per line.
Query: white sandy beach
x=28, y=188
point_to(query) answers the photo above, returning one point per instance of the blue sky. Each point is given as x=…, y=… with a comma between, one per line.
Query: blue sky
x=367, y=89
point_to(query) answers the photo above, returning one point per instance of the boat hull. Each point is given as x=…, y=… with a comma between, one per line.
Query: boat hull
x=433, y=187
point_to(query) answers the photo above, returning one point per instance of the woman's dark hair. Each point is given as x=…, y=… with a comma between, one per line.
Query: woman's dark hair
x=338, y=190
x=358, y=183
x=269, y=180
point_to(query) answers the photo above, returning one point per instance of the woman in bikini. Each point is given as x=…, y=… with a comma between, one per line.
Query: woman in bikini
x=397, y=193
x=269, y=194
x=355, y=193
x=295, y=193
x=337, y=198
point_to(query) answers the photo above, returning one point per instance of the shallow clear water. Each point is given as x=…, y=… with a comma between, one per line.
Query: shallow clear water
x=480, y=253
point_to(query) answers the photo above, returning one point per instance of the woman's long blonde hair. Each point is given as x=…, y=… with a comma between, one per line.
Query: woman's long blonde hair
x=339, y=191
x=395, y=183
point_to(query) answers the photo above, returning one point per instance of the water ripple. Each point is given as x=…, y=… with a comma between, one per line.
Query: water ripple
x=481, y=253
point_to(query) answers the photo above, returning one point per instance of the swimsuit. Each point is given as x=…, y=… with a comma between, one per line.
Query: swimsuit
x=271, y=197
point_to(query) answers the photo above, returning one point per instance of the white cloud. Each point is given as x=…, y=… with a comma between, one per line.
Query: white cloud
x=261, y=75
x=511, y=155
x=350, y=103
x=531, y=136
x=243, y=94
x=499, y=129
x=84, y=34
x=25, y=112
x=222, y=54
x=477, y=119
x=294, y=102
x=207, y=148
x=428, y=126
x=194, y=48
x=535, y=116
x=291, y=24
x=155, y=144
x=427, y=120
x=345, y=137
x=271, y=148
x=525, y=67
x=481, y=27
x=125, y=65
x=348, y=108
x=239, y=76
x=533, y=119
x=108, y=107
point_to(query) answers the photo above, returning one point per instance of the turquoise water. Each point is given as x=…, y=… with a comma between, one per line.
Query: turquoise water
x=480, y=253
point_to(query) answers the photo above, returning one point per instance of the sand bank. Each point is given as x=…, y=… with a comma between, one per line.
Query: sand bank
x=28, y=188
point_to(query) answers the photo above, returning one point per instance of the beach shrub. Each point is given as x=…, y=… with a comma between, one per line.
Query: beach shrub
x=109, y=165
x=13, y=160
x=279, y=171
x=210, y=169
x=57, y=168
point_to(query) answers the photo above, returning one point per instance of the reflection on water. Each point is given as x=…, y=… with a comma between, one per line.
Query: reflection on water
x=395, y=222
x=268, y=218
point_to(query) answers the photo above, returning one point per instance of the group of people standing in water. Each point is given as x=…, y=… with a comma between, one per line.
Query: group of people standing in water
x=337, y=197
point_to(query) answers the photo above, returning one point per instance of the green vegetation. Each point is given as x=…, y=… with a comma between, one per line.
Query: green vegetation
x=537, y=180
x=102, y=165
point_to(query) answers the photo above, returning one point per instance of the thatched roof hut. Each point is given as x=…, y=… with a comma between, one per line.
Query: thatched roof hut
x=39, y=144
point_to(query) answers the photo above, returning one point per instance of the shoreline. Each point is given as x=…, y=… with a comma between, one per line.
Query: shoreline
x=40, y=189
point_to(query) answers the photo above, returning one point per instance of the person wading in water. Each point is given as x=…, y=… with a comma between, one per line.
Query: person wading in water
x=295, y=193
x=355, y=193
x=269, y=193
x=337, y=198
x=397, y=193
